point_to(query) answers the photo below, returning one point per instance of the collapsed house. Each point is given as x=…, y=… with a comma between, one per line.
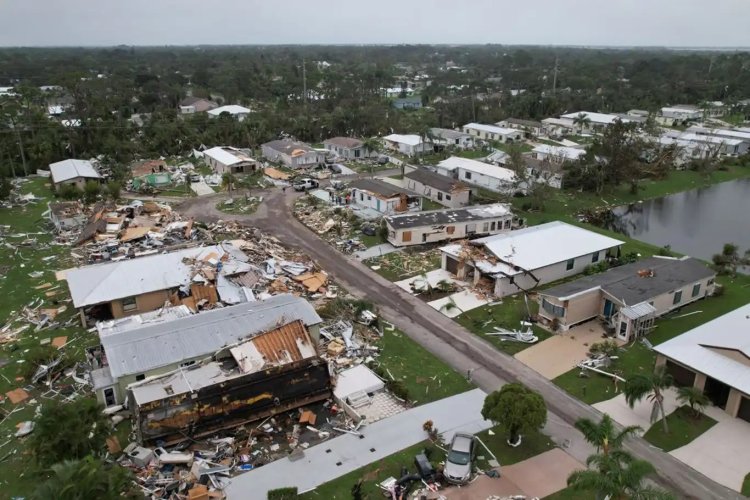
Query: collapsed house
x=66, y=215
x=418, y=228
x=628, y=297
x=269, y=372
x=196, y=277
x=521, y=260
x=139, y=348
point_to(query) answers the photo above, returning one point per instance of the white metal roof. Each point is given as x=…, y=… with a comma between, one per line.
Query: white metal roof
x=711, y=139
x=713, y=348
x=101, y=283
x=604, y=118
x=559, y=151
x=721, y=132
x=478, y=167
x=409, y=139
x=493, y=129
x=546, y=244
x=156, y=345
x=70, y=169
x=557, y=122
x=232, y=109
x=226, y=156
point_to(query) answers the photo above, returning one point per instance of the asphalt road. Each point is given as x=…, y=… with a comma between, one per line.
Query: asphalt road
x=449, y=341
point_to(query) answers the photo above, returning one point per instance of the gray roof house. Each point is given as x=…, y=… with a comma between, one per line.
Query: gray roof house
x=627, y=295
x=293, y=154
x=73, y=172
x=445, y=190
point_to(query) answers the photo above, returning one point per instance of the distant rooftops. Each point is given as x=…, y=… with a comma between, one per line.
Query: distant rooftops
x=232, y=109
x=600, y=118
x=494, y=129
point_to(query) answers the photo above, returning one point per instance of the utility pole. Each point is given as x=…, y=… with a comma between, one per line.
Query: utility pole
x=304, y=82
x=554, y=77
x=20, y=144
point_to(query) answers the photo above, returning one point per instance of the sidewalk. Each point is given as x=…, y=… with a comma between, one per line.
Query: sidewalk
x=385, y=437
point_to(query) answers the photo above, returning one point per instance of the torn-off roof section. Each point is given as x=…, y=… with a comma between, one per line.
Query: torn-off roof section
x=157, y=345
x=448, y=216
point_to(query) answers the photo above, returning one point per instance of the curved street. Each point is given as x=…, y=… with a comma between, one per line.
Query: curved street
x=448, y=340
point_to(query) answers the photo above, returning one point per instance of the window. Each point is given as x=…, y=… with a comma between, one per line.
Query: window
x=356, y=153
x=129, y=304
x=140, y=377
x=554, y=310
x=424, y=238
x=440, y=196
x=710, y=282
x=623, y=328
x=485, y=227
x=696, y=289
x=369, y=198
x=677, y=297
x=467, y=175
x=448, y=197
x=109, y=397
x=361, y=197
x=507, y=223
x=570, y=264
x=492, y=226
x=595, y=258
x=187, y=363
x=471, y=228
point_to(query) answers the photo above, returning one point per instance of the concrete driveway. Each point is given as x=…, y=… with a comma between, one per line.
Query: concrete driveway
x=201, y=188
x=722, y=452
x=640, y=414
x=561, y=353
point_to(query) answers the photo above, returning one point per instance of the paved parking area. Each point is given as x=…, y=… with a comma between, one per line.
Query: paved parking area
x=562, y=352
x=460, y=302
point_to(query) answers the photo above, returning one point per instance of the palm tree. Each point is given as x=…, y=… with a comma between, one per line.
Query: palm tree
x=694, y=398
x=371, y=145
x=87, y=478
x=617, y=476
x=604, y=435
x=653, y=387
x=581, y=120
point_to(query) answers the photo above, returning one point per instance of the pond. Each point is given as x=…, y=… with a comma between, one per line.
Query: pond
x=696, y=222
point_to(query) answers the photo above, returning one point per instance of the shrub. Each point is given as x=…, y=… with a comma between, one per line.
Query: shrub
x=289, y=493
x=69, y=192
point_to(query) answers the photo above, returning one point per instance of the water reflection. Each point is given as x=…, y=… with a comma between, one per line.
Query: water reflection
x=696, y=222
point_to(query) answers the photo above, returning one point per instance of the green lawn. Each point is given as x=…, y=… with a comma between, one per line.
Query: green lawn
x=473, y=154
x=571, y=494
x=636, y=358
x=19, y=478
x=408, y=263
x=373, y=474
x=532, y=445
x=426, y=377
x=683, y=429
x=428, y=204
x=508, y=315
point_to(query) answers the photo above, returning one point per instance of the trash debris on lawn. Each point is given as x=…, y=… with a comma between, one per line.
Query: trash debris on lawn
x=409, y=262
x=327, y=213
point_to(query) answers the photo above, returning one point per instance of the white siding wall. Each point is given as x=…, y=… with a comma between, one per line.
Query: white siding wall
x=457, y=199
x=367, y=200
x=485, y=181
x=432, y=234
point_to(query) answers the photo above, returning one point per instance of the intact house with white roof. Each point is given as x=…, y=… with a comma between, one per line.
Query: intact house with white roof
x=480, y=174
x=629, y=297
x=530, y=128
x=132, y=286
x=442, y=225
x=555, y=127
x=714, y=358
x=556, y=154
x=521, y=260
x=237, y=112
x=223, y=159
x=138, y=348
x=595, y=122
x=73, y=173
x=383, y=198
x=743, y=137
x=409, y=145
x=493, y=133
x=452, y=138
x=447, y=191
x=704, y=145
x=293, y=154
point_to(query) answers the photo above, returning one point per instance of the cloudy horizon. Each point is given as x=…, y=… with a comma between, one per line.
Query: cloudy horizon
x=619, y=23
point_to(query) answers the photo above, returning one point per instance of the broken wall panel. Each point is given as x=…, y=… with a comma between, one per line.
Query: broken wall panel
x=232, y=402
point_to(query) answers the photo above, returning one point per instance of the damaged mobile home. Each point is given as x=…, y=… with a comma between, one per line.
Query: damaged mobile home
x=272, y=372
x=144, y=348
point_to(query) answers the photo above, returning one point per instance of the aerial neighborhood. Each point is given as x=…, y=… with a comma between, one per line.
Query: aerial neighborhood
x=371, y=276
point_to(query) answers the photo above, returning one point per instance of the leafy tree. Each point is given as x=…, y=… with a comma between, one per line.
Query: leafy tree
x=517, y=409
x=91, y=191
x=694, y=398
x=650, y=386
x=69, y=431
x=228, y=180
x=617, y=476
x=69, y=192
x=87, y=478
x=729, y=259
x=113, y=190
x=5, y=187
x=604, y=435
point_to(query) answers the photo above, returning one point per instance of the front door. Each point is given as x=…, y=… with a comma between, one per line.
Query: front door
x=717, y=392
x=609, y=308
x=109, y=397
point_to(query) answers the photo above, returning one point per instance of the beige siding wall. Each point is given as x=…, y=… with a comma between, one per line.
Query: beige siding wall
x=144, y=303
x=664, y=303
x=578, y=309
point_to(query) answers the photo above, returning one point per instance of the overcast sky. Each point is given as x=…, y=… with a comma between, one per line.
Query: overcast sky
x=692, y=23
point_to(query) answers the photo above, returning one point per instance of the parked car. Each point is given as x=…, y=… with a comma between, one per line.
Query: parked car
x=195, y=177
x=460, y=459
x=335, y=168
x=305, y=184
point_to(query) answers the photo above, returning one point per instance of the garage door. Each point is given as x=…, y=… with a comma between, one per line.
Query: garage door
x=451, y=265
x=744, y=411
x=682, y=376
